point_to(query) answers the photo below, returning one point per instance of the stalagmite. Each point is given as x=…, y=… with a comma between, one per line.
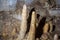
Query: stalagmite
x=45, y=32
x=31, y=34
x=51, y=26
x=55, y=37
x=37, y=39
x=45, y=29
x=23, y=23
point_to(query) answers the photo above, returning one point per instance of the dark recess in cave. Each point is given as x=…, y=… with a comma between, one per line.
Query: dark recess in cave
x=29, y=19
x=39, y=29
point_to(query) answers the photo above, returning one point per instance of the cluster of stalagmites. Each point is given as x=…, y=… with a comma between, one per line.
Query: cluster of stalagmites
x=13, y=29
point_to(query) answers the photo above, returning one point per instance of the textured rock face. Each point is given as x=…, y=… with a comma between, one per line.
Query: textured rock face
x=10, y=21
x=10, y=5
x=39, y=7
x=7, y=5
x=9, y=26
x=56, y=22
